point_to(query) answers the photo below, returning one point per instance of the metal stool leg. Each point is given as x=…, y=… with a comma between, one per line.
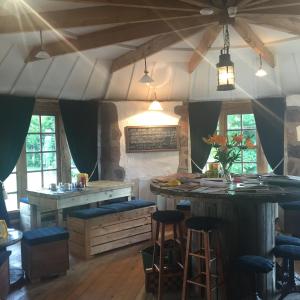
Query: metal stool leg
x=161, y=262
x=186, y=266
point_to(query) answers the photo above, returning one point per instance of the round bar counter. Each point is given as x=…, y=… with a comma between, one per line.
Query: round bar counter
x=249, y=212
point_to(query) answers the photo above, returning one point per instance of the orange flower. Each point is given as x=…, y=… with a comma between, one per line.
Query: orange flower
x=220, y=140
x=238, y=138
x=249, y=144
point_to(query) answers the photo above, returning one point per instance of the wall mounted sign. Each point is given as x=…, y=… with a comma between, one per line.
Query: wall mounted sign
x=151, y=138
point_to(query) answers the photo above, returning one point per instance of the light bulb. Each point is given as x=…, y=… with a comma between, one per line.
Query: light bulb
x=261, y=73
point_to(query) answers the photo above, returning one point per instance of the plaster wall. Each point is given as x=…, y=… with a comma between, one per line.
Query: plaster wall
x=141, y=167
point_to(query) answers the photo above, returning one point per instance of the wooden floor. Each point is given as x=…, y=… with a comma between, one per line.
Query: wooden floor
x=117, y=275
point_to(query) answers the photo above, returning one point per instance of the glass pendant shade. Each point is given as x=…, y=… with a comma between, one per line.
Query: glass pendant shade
x=261, y=72
x=42, y=54
x=155, y=106
x=226, y=77
x=146, y=78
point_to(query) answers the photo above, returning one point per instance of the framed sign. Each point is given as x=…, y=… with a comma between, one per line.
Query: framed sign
x=151, y=138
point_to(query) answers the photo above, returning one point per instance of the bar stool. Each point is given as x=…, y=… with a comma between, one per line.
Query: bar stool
x=254, y=265
x=163, y=218
x=290, y=253
x=206, y=228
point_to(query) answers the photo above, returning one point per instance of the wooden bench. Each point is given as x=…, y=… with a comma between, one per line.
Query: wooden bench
x=109, y=227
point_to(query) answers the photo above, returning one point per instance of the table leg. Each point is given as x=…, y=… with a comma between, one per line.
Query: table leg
x=60, y=218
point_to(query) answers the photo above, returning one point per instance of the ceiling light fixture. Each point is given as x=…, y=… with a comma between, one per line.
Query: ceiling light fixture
x=232, y=11
x=155, y=104
x=42, y=54
x=146, y=78
x=261, y=72
x=206, y=11
x=225, y=67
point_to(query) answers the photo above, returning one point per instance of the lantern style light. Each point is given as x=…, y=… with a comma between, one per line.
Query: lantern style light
x=225, y=67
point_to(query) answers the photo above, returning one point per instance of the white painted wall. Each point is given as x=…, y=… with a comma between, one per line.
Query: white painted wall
x=293, y=100
x=141, y=167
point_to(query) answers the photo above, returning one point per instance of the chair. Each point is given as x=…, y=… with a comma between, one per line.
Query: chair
x=167, y=269
x=45, y=252
x=254, y=265
x=206, y=230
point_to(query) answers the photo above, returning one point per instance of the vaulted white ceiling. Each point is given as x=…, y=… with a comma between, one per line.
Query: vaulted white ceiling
x=87, y=75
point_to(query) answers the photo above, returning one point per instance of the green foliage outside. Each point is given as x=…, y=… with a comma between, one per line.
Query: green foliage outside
x=40, y=138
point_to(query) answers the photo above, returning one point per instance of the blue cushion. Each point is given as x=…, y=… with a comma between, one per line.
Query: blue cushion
x=203, y=223
x=168, y=216
x=294, y=205
x=24, y=200
x=89, y=213
x=184, y=205
x=119, y=207
x=287, y=251
x=4, y=255
x=286, y=240
x=255, y=264
x=140, y=203
x=45, y=235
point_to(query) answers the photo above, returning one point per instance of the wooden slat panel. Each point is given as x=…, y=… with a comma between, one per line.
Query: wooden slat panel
x=89, y=16
x=121, y=33
x=107, y=229
x=76, y=237
x=120, y=217
x=121, y=243
x=120, y=235
x=75, y=224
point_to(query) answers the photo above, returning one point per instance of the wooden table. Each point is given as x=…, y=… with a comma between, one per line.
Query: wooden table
x=97, y=191
x=250, y=213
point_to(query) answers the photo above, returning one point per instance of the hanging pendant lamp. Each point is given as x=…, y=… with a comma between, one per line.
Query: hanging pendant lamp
x=146, y=78
x=155, y=104
x=225, y=67
x=261, y=72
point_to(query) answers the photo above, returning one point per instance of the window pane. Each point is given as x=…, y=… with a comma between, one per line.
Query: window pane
x=236, y=168
x=49, y=177
x=48, y=123
x=33, y=143
x=49, y=160
x=233, y=121
x=232, y=133
x=34, y=180
x=10, y=183
x=248, y=121
x=250, y=168
x=74, y=172
x=249, y=155
x=251, y=134
x=33, y=161
x=48, y=142
x=11, y=202
x=34, y=124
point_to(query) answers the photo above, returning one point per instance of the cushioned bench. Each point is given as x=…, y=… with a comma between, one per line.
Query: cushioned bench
x=97, y=230
x=45, y=252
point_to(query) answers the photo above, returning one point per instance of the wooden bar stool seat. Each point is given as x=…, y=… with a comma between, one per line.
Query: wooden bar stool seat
x=161, y=263
x=207, y=252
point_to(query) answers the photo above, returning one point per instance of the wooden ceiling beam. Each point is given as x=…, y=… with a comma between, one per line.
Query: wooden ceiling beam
x=149, y=4
x=197, y=3
x=283, y=8
x=282, y=23
x=250, y=37
x=244, y=3
x=151, y=47
x=121, y=33
x=85, y=17
x=209, y=36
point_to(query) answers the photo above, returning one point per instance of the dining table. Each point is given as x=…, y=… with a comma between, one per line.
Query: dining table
x=248, y=206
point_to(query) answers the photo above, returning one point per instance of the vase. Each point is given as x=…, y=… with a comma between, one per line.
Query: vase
x=225, y=173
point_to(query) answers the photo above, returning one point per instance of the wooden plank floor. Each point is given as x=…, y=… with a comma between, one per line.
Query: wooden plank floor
x=116, y=275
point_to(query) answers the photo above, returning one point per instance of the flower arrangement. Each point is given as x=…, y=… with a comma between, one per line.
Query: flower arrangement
x=228, y=150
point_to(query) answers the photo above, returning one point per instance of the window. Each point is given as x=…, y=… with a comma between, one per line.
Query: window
x=41, y=155
x=74, y=171
x=10, y=185
x=238, y=118
x=243, y=124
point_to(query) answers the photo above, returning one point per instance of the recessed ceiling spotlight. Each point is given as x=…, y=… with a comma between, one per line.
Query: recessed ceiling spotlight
x=206, y=11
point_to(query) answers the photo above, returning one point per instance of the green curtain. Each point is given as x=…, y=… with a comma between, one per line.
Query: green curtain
x=15, y=116
x=269, y=117
x=203, y=117
x=80, y=120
